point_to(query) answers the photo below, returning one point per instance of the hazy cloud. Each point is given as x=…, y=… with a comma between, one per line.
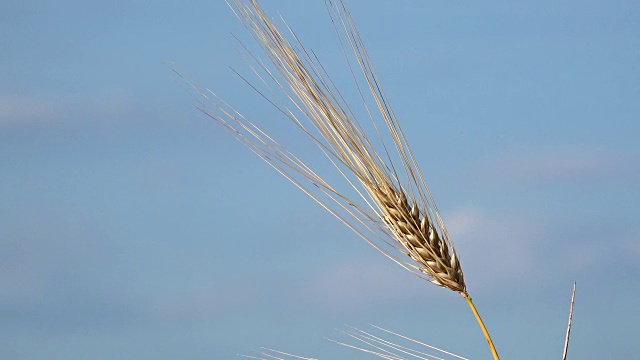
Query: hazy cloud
x=494, y=251
x=14, y=109
x=38, y=109
x=358, y=285
x=558, y=165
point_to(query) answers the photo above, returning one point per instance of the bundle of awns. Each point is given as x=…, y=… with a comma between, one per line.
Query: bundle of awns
x=384, y=198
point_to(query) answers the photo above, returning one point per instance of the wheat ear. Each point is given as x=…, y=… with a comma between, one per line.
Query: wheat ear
x=392, y=207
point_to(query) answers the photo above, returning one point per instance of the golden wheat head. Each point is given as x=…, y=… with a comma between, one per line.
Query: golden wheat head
x=386, y=200
x=395, y=210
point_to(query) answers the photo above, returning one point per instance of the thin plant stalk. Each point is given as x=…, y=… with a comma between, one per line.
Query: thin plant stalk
x=492, y=347
x=566, y=339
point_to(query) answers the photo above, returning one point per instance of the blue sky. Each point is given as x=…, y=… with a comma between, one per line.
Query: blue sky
x=132, y=227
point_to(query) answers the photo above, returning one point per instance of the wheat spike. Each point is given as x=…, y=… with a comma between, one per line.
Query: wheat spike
x=408, y=211
x=395, y=210
x=392, y=207
x=421, y=241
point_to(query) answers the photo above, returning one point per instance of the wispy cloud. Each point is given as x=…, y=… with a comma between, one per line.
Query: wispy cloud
x=494, y=251
x=502, y=251
x=358, y=285
x=564, y=165
x=16, y=110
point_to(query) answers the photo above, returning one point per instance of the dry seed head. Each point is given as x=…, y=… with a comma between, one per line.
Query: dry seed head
x=421, y=241
x=393, y=209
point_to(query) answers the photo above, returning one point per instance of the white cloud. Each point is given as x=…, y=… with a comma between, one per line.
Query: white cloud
x=563, y=164
x=494, y=251
x=14, y=109
x=358, y=285
x=39, y=109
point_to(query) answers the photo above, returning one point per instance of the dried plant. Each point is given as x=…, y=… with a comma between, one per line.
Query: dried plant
x=386, y=200
x=403, y=348
x=379, y=346
x=566, y=339
x=271, y=354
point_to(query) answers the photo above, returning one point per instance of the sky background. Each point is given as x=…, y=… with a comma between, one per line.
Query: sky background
x=132, y=227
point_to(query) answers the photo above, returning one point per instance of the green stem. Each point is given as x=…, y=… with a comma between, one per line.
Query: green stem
x=482, y=326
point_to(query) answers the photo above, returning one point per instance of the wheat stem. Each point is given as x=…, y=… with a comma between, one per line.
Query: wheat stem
x=494, y=352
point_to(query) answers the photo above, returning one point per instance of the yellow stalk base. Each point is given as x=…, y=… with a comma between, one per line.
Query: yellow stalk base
x=484, y=328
